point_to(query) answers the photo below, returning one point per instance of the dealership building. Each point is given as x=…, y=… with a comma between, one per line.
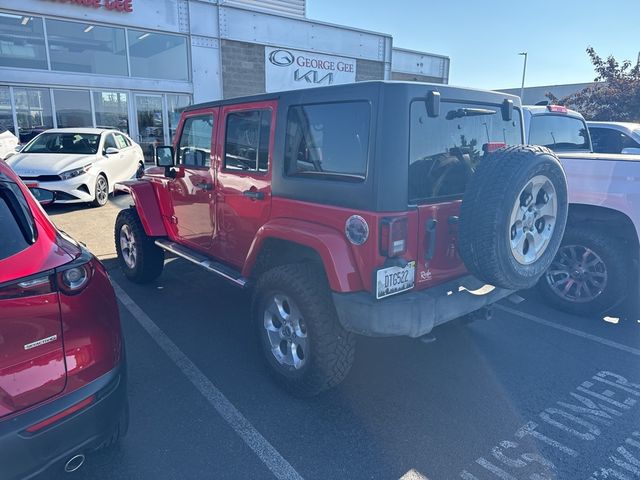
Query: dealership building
x=133, y=64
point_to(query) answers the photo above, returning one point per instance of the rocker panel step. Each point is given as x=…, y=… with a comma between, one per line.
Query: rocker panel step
x=202, y=261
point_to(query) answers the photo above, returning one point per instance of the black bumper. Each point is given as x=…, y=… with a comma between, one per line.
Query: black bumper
x=24, y=455
x=414, y=313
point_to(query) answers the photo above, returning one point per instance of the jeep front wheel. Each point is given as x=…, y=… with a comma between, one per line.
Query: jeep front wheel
x=513, y=216
x=140, y=259
x=305, y=347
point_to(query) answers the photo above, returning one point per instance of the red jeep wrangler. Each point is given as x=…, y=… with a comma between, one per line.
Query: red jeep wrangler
x=375, y=208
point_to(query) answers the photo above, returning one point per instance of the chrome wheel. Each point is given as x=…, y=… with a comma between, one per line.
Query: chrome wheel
x=286, y=331
x=128, y=246
x=533, y=220
x=102, y=190
x=577, y=274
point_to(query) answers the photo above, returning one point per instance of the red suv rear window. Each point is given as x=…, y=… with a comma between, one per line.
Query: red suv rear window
x=16, y=223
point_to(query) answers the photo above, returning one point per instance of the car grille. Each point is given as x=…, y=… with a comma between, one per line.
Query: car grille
x=42, y=178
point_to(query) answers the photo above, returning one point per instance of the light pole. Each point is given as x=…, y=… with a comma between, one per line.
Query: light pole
x=524, y=74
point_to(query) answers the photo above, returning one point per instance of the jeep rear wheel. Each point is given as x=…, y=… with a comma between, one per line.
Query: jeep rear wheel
x=513, y=216
x=304, y=345
x=140, y=259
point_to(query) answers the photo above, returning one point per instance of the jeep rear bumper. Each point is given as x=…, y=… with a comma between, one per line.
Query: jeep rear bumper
x=414, y=313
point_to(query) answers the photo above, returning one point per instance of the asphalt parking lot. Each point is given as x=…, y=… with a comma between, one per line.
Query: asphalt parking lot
x=530, y=394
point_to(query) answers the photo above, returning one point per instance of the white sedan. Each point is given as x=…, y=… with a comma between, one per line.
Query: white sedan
x=79, y=164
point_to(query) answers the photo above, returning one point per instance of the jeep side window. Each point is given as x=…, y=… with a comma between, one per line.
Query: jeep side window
x=194, y=149
x=246, y=146
x=329, y=140
x=445, y=150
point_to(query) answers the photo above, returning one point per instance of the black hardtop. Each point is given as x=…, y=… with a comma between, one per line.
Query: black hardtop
x=385, y=187
x=417, y=89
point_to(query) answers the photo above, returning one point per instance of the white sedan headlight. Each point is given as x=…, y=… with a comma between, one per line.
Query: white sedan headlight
x=76, y=172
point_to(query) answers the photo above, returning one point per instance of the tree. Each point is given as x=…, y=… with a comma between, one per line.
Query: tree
x=616, y=96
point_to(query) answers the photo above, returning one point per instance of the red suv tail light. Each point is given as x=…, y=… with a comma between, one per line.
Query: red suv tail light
x=28, y=287
x=69, y=279
x=393, y=237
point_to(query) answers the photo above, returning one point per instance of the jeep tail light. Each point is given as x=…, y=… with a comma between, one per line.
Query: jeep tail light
x=557, y=108
x=393, y=236
x=27, y=287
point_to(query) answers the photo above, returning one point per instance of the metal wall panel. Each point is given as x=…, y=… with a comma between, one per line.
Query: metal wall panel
x=203, y=18
x=254, y=27
x=205, y=62
x=408, y=61
x=284, y=7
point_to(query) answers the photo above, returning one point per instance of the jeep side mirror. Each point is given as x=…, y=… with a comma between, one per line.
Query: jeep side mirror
x=507, y=110
x=631, y=151
x=44, y=197
x=165, y=157
x=433, y=103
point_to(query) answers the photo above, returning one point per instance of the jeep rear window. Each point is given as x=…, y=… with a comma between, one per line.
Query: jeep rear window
x=445, y=150
x=329, y=140
x=16, y=223
x=559, y=133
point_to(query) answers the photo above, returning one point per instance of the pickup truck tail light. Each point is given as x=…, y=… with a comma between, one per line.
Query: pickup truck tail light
x=393, y=237
x=557, y=108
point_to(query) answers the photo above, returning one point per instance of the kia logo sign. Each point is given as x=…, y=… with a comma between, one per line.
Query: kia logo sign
x=281, y=58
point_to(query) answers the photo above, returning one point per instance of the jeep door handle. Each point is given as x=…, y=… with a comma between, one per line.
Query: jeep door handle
x=253, y=194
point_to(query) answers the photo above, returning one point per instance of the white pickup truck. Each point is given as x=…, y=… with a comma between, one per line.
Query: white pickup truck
x=596, y=268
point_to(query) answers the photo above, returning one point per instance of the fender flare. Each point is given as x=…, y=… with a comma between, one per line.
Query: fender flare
x=146, y=204
x=331, y=246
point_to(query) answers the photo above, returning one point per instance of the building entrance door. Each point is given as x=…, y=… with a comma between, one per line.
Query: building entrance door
x=149, y=116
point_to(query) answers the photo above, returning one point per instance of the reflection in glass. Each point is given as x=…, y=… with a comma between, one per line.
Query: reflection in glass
x=150, y=124
x=6, y=118
x=73, y=108
x=22, y=42
x=111, y=110
x=33, y=109
x=174, y=104
x=86, y=48
x=155, y=55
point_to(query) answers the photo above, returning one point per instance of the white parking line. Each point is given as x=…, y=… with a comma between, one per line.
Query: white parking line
x=572, y=331
x=254, y=440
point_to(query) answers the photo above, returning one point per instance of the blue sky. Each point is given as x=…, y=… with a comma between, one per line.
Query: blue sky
x=483, y=38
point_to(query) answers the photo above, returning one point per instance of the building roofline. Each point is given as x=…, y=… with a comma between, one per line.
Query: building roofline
x=408, y=50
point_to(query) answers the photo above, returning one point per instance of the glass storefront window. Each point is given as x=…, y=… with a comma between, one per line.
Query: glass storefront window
x=111, y=110
x=22, y=42
x=73, y=108
x=6, y=116
x=174, y=104
x=86, y=48
x=33, y=109
x=150, y=124
x=155, y=55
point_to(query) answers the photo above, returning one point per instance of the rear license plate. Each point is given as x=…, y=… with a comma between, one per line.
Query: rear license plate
x=392, y=280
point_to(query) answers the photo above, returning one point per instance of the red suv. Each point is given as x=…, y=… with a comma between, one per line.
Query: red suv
x=376, y=208
x=62, y=366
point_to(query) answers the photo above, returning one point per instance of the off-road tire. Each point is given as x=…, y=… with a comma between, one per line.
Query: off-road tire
x=332, y=348
x=150, y=258
x=485, y=214
x=611, y=252
x=97, y=202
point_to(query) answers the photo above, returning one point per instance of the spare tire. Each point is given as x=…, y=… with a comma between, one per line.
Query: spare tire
x=513, y=215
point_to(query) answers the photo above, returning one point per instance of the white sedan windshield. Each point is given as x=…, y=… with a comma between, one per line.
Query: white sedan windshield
x=67, y=142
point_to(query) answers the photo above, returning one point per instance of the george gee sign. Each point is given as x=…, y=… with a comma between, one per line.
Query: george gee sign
x=124, y=6
x=287, y=69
